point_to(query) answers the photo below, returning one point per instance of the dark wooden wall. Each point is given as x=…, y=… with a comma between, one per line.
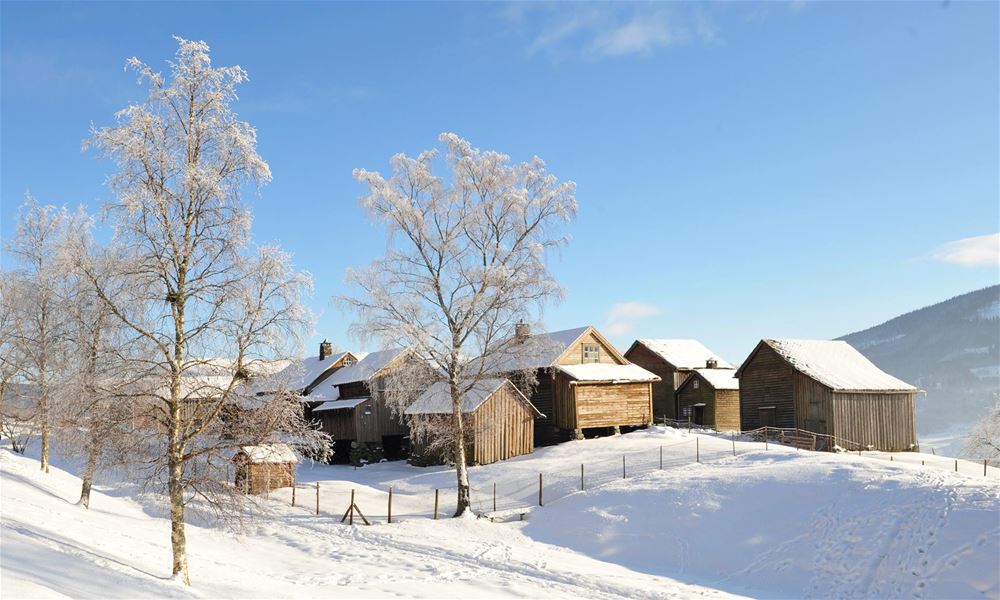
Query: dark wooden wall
x=663, y=391
x=884, y=421
x=722, y=407
x=766, y=380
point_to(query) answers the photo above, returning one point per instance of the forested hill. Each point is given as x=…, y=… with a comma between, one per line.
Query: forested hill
x=949, y=349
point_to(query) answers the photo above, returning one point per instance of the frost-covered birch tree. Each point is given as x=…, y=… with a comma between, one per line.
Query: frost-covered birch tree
x=466, y=262
x=198, y=289
x=984, y=439
x=37, y=303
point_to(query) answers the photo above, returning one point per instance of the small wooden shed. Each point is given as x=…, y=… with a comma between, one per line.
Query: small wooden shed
x=710, y=398
x=260, y=469
x=500, y=419
x=826, y=387
x=673, y=360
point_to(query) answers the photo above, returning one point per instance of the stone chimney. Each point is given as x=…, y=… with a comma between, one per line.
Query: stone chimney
x=522, y=331
x=325, y=349
x=711, y=364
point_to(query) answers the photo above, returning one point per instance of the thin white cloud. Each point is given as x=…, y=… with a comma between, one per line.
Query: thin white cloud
x=595, y=31
x=983, y=250
x=623, y=316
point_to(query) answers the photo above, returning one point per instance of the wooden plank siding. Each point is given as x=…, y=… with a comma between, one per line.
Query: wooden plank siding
x=573, y=355
x=813, y=404
x=722, y=407
x=663, y=391
x=503, y=427
x=885, y=421
x=610, y=405
x=766, y=380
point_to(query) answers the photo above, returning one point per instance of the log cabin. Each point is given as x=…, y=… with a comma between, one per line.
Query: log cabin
x=826, y=387
x=355, y=413
x=710, y=398
x=262, y=468
x=583, y=383
x=672, y=360
x=499, y=418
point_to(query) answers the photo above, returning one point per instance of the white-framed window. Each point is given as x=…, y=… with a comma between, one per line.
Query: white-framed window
x=348, y=361
x=591, y=353
x=696, y=382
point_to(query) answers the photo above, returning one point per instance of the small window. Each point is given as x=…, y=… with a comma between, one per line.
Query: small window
x=686, y=411
x=696, y=384
x=591, y=353
x=348, y=361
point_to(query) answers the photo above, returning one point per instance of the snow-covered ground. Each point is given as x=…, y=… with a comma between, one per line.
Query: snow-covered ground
x=772, y=523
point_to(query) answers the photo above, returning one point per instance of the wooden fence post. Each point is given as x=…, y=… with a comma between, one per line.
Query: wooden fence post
x=293, y=494
x=661, y=458
x=956, y=465
x=317, y=497
x=494, y=496
x=436, y=504
x=697, y=451
x=623, y=466
x=984, y=467
x=689, y=422
x=350, y=511
x=890, y=458
x=932, y=451
x=734, y=443
x=540, y=490
x=581, y=477
x=390, y=504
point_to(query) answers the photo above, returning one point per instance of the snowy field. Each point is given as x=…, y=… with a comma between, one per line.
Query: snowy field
x=763, y=523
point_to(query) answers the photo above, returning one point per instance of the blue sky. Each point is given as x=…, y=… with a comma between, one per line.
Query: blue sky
x=743, y=170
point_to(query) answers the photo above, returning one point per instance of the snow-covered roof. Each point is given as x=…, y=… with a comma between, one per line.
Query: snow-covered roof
x=720, y=379
x=437, y=399
x=339, y=404
x=270, y=453
x=304, y=372
x=537, y=352
x=837, y=365
x=683, y=354
x=608, y=373
x=365, y=368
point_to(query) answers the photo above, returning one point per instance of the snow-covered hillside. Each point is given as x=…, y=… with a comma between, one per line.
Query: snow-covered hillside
x=773, y=522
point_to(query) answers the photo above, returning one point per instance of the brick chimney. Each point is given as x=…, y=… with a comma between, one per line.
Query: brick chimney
x=325, y=349
x=522, y=331
x=711, y=364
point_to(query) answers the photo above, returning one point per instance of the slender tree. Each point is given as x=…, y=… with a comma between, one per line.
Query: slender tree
x=984, y=439
x=465, y=264
x=38, y=309
x=198, y=290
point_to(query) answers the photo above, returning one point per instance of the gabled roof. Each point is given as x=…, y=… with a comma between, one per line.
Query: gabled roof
x=436, y=400
x=607, y=373
x=368, y=367
x=304, y=373
x=718, y=379
x=340, y=404
x=835, y=364
x=681, y=354
x=546, y=349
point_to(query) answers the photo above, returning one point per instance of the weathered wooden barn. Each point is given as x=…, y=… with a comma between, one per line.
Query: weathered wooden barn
x=826, y=387
x=710, y=398
x=672, y=360
x=583, y=382
x=355, y=412
x=260, y=469
x=498, y=417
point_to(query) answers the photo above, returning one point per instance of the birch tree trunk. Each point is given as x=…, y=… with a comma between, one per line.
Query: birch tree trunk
x=464, y=500
x=93, y=453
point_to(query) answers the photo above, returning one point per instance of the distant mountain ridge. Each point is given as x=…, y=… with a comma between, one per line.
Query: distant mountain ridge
x=950, y=349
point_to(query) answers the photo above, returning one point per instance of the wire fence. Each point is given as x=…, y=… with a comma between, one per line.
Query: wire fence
x=513, y=494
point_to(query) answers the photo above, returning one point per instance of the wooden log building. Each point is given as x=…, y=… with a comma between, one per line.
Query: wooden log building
x=355, y=412
x=672, y=360
x=826, y=387
x=499, y=418
x=262, y=468
x=710, y=398
x=598, y=398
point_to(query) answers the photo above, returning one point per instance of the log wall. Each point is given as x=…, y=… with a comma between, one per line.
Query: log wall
x=766, y=380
